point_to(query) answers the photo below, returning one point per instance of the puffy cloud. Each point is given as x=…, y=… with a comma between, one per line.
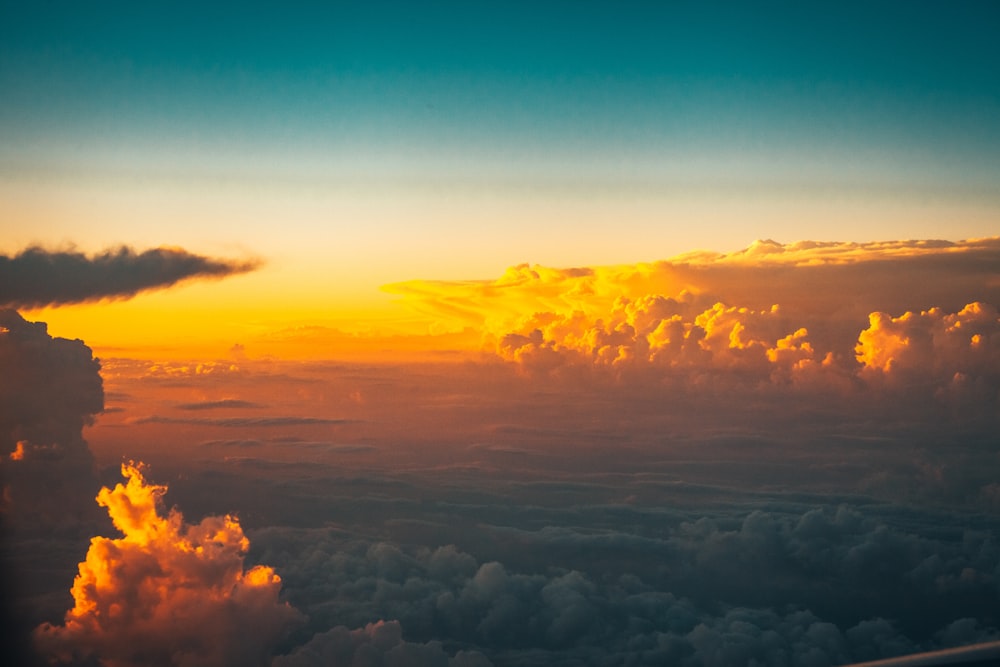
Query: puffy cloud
x=681, y=336
x=955, y=355
x=168, y=593
x=615, y=585
x=37, y=277
x=377, y=644
x=780, y=313
x=816, y=280
x=933, y=343
x=51, y=389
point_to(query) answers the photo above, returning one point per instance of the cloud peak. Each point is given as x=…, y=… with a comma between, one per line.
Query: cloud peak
x=38, y=277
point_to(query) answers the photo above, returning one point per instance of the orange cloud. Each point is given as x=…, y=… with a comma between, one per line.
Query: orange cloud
x=772, y=312
x=166, y=592
x=933, y=344
x=675, y=335
x=819, y=280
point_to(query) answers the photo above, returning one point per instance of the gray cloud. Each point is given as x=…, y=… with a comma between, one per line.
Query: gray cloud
x=50, y=389
x=37, y=277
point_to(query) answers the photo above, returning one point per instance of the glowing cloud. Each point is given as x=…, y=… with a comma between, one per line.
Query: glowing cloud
x=785, y=314
x=956, y=353
x=814, y=278
x=168, y=593
x=37, y=277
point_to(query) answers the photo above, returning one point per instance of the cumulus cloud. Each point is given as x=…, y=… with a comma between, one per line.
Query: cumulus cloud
x=37, y=277
x=167, y=592
x=820, y=587
x=777, y=315
x=51, y=389
x=813, y=279
x=934, y=343
x=675, y=335
x=379, y=644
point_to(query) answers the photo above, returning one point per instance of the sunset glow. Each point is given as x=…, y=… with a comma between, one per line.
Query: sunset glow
x=466, y=335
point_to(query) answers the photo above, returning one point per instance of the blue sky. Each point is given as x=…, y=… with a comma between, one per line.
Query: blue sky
x=819, y=121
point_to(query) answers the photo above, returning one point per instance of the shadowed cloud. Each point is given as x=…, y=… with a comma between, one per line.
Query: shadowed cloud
x=37, y=277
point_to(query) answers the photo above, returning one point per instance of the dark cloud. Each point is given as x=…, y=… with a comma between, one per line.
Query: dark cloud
x=37, y=277
x=377, y=644
x=820, y=586
x=50, y=389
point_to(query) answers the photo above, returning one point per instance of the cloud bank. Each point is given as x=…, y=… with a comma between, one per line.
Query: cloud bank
x=832, y=317
x=51, y=389
x=168, y=593
x=36, y=277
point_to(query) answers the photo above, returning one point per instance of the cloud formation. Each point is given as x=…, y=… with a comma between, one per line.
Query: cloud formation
x=838, y=318
x=378, y=644
x=817, y=586
x=51, y=389
x=818, y=280
x=37, y=277
x=168, y=593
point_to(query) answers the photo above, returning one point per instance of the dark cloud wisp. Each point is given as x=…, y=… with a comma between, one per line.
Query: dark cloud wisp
x=37, y=277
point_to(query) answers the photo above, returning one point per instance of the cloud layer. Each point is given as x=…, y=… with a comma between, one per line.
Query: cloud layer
x=831, y=317
x=36, y=277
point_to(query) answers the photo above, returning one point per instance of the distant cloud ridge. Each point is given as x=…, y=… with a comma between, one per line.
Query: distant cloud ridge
x=38, y=277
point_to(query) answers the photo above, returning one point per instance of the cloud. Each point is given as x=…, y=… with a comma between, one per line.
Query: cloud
x=678, y=336
x=820, y=317
x=223, y=403
x=377, y=644
x=51, y=389
x=241, y=422
x=37, y=277
x=933, y=343
x=167, y=592
x=816, y=280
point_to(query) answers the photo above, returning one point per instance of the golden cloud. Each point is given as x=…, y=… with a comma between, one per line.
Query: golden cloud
x=168, y=593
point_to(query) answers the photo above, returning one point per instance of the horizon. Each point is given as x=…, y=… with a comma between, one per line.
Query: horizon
x=498, y=335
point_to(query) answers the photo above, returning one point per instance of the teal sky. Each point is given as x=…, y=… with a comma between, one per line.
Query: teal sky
x=705, y=124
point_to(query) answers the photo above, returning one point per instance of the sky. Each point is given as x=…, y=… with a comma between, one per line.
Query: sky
x=355, y=146
x=499, y=333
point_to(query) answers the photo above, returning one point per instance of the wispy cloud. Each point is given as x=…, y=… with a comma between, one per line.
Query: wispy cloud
x=239, y=422
x=223, y=403
x=38, y=277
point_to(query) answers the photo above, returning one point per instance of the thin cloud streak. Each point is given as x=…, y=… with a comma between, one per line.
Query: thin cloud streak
x=37, y=277
x=239, y=422
x=223, y=403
